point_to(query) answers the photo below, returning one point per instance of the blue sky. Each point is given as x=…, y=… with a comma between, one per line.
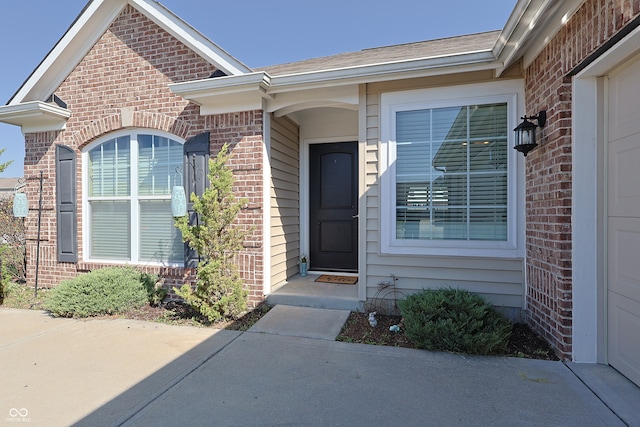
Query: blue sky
x=257, y=33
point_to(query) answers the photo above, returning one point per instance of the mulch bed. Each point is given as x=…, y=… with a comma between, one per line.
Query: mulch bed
x=523, y=343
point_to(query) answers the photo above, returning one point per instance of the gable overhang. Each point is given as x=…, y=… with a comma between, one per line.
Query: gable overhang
x=338, y=87
x=91, y=24
x=531, y=25
x=226, y=94
x=35, y=116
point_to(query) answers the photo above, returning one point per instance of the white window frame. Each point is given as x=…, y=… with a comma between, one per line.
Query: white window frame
x=135, y=207
x=509, y=92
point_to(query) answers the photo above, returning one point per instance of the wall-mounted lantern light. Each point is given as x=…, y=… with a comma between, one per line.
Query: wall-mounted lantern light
x=526, y=132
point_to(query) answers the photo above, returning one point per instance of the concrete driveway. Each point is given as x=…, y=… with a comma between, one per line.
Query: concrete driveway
x=60, y=372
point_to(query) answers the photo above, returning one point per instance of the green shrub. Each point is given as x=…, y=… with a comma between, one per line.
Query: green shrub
x=110, y=290
x=218, y=293
x=454, y=320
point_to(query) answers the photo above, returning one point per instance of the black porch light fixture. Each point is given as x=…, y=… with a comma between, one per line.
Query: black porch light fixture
x=526, y=132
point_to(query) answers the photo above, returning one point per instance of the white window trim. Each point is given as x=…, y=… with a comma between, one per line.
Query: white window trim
x=135, y=211
x=511, y=92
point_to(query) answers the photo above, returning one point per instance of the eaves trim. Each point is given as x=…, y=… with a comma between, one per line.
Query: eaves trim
x=35, y=116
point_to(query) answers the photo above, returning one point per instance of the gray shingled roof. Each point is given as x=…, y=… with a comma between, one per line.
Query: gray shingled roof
x=402, y=52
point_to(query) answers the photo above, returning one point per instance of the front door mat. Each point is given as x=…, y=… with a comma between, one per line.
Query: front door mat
x=341, y=280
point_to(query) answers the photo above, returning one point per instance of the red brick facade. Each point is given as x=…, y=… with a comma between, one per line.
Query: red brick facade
x=123, y=82
x=548, y=86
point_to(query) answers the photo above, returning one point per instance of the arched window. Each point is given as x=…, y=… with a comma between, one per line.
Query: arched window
x=128, y=180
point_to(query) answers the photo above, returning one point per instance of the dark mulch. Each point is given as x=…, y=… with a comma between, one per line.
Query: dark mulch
x=181, y=314
x=523, y=343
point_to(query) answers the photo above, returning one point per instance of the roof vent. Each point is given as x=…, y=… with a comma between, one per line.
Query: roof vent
x=59, y=102
x=217, y=73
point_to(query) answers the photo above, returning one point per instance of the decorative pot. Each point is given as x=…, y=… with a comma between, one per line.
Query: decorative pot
x=303, y=269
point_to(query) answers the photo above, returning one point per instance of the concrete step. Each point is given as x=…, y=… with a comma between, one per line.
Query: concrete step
x=314, y=301
x=304, y=291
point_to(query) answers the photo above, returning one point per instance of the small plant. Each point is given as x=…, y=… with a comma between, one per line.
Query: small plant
x=12, y=243
x=219, y=293
x=19, y=295
x=303, y=259
x=111, y=290
x=155, y=292
x=454, y=320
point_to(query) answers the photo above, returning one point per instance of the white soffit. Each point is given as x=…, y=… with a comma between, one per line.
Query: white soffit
x=35, y=116
x=553, y=20
x=532, y=24
x=226, y=94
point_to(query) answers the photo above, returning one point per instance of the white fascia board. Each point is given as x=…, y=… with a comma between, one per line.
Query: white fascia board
x=35, y=116
x=472, y=61
x=69, y=50
x=530, y=27
x=203, y=88
x=554, y=20
x=232, y=93
x=190, y=36
x=519, y=26
x=225, y=94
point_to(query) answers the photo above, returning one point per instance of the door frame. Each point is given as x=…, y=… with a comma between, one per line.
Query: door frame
x=304, y=193
x=589, y=255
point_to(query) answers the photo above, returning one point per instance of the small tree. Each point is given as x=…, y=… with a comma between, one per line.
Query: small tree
x=218, y=292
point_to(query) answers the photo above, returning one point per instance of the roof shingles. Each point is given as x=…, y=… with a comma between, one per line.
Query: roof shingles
x=420, y=50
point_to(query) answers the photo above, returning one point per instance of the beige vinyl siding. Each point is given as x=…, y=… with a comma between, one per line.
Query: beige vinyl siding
x=285, y=199
x=500, y=280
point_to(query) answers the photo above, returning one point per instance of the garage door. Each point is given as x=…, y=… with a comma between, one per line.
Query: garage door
x=624, y=220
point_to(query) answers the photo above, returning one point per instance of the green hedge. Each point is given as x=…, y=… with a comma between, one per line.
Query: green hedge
x=110, y=290
x=454, y=320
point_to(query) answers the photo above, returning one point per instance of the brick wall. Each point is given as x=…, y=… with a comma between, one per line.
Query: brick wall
x=548, y=168
x=123, y=81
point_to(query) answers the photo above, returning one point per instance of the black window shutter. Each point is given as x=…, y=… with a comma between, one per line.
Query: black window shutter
x=66, y=205
x=196, y=179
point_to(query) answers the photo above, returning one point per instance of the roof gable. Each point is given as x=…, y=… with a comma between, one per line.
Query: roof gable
x=92, y=23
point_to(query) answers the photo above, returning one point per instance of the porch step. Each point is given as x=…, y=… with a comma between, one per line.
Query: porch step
x=306, y=292
x=334, y=303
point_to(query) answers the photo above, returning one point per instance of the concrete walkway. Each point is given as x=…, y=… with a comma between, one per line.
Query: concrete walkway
x=283, y=371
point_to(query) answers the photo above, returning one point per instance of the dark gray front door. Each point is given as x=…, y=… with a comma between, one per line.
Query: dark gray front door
x=333, y=203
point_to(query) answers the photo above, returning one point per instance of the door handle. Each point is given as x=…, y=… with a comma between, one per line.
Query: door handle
x=355, y=216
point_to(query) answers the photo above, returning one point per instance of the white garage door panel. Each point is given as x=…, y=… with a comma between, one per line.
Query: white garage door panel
x=624, y=323
x=623, y=223
x=624, y=257
x=624, y=108
x=624, y=186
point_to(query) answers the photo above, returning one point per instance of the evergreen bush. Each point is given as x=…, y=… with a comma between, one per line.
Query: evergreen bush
x=110, y=290
x=219, y=293
x=454, y=320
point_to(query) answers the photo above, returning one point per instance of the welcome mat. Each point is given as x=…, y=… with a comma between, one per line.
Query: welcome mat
x=341, y=280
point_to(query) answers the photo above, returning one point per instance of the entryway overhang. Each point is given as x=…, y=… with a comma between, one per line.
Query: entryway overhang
x=337, y=87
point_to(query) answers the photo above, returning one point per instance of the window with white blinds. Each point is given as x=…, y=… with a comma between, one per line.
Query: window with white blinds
x=451, y=173
x=449, y=181
x=129, y=180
